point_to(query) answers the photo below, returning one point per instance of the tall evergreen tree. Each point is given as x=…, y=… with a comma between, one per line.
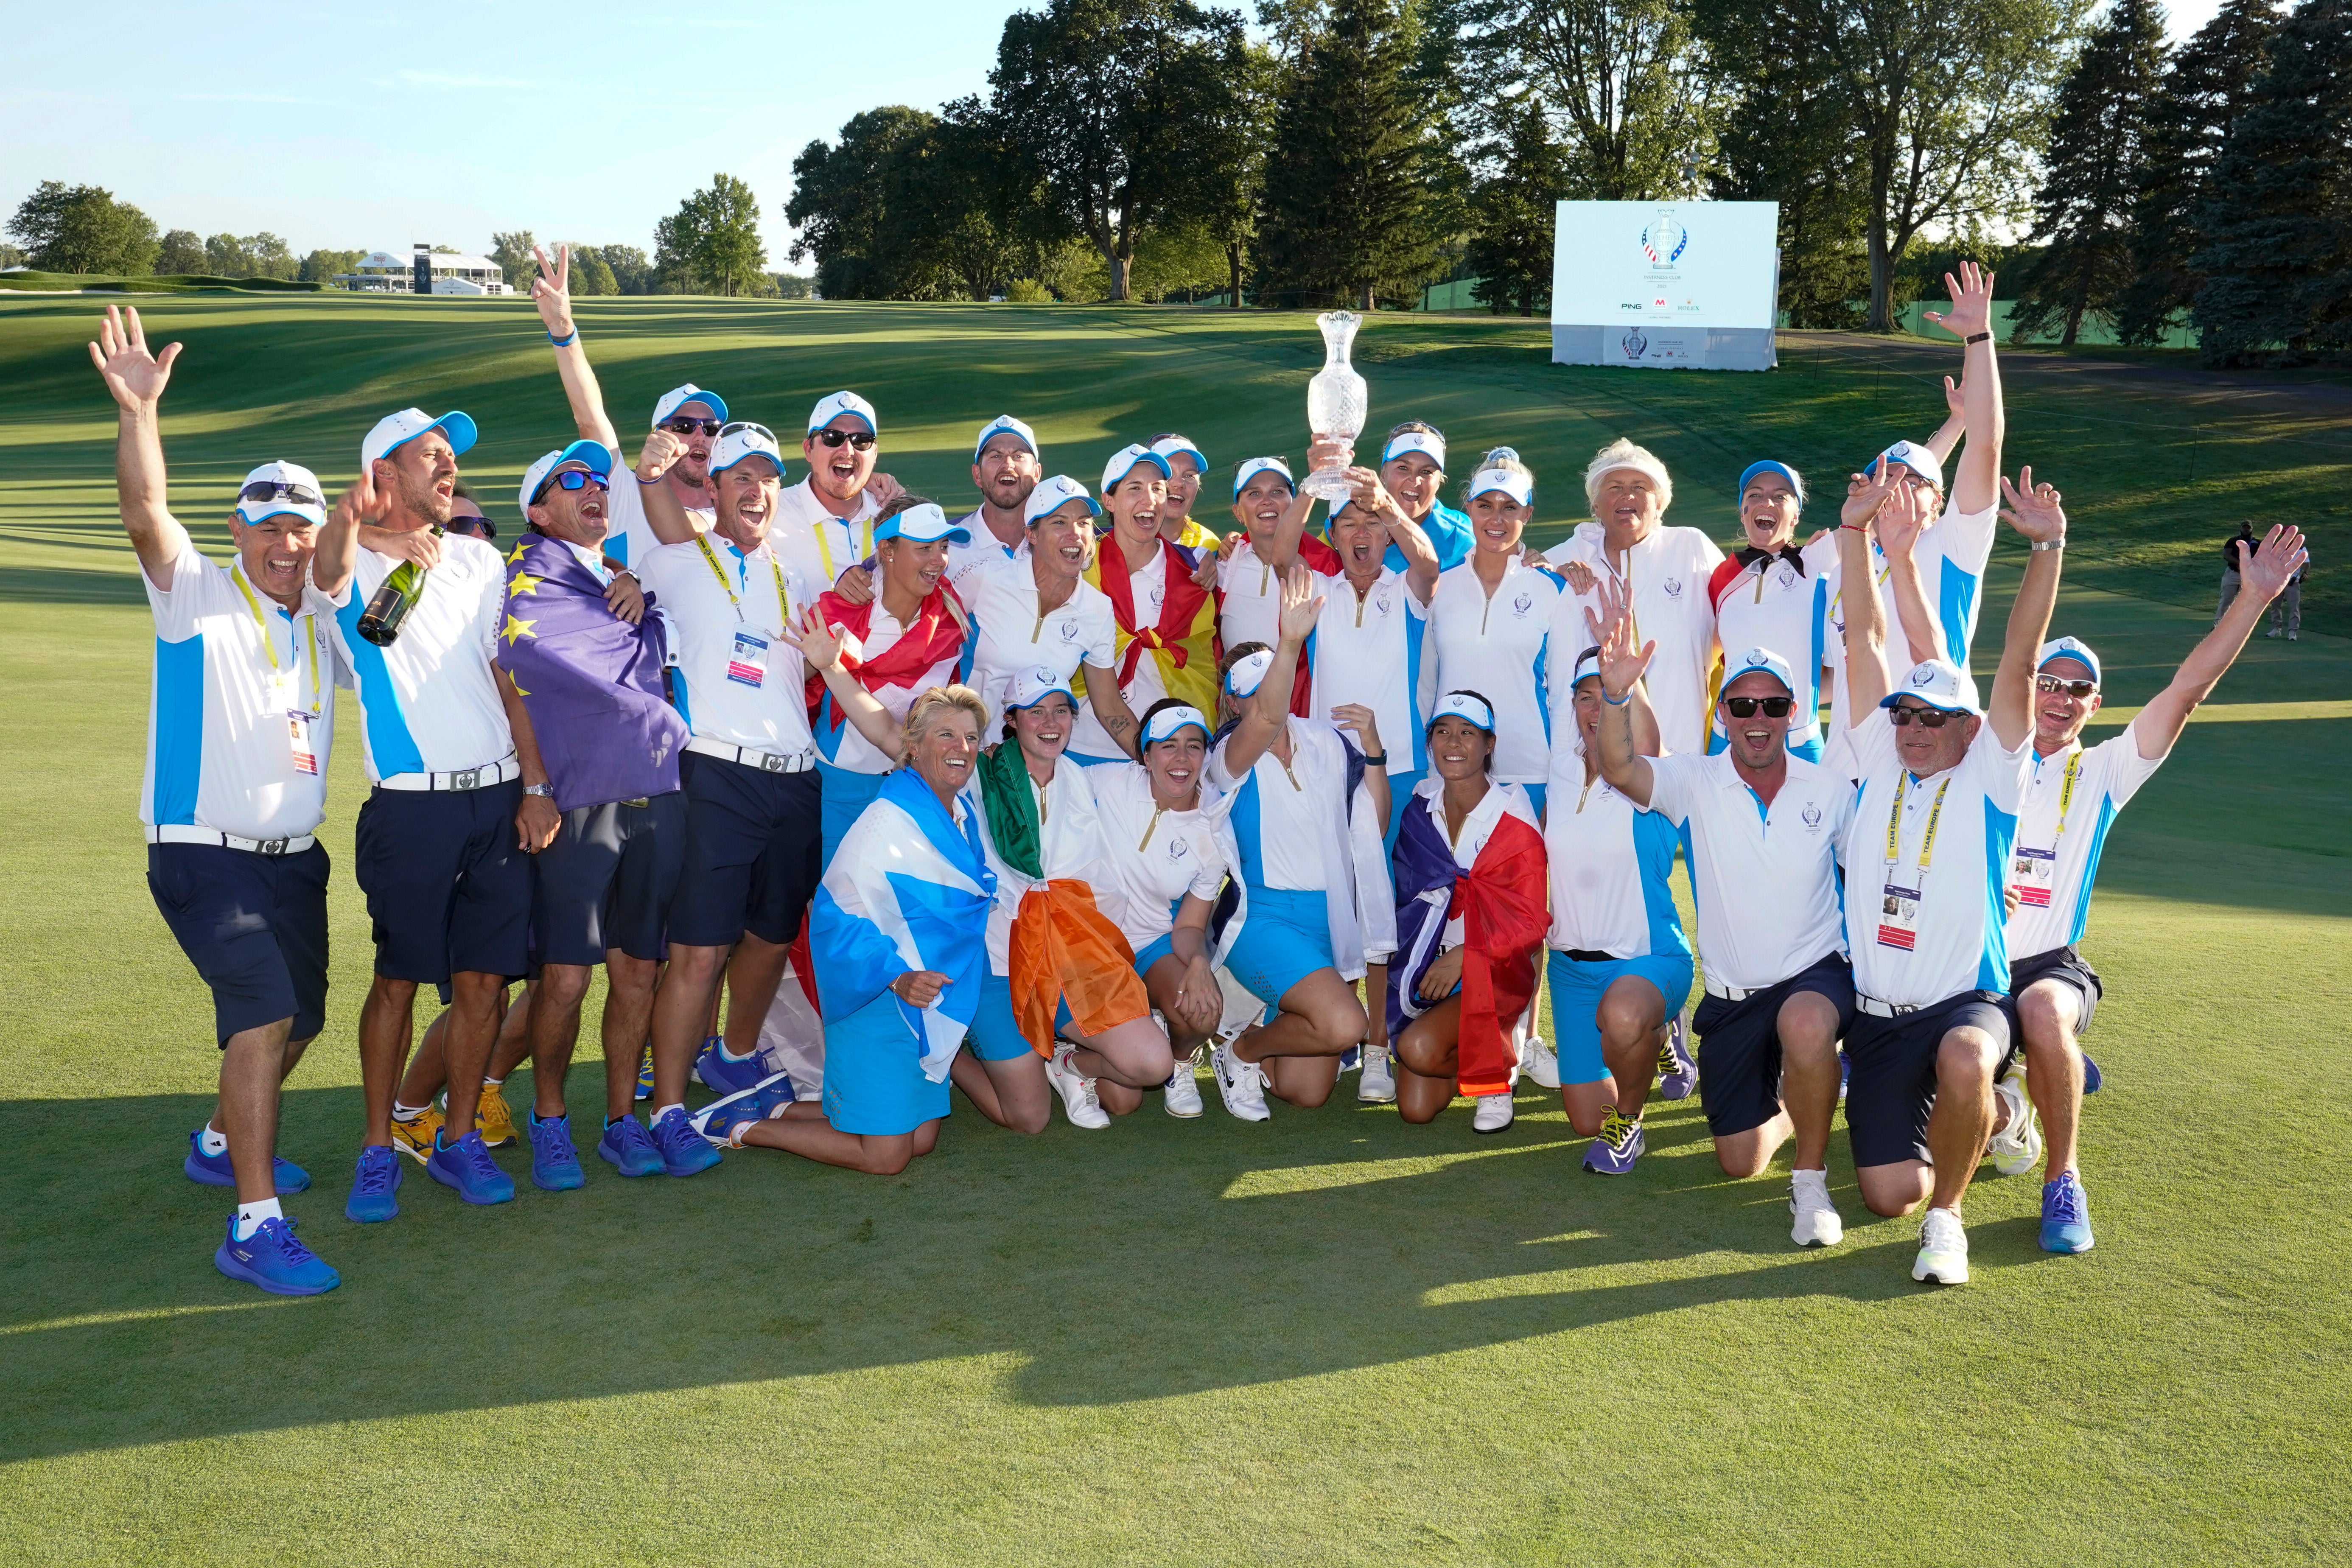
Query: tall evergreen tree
x=1512, y=208
x=1347, y=179
x=2091, y=176
x=2208, y=86
x=2278, y=223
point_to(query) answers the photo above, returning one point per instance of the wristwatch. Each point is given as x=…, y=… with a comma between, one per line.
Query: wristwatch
x=547, y=790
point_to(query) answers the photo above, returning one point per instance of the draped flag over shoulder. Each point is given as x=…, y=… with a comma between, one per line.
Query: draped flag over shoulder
x=1063, y=948
x=936, y=634
x=1181, y=642
x=909, y=889
x=1500, y=901
x=590, y=681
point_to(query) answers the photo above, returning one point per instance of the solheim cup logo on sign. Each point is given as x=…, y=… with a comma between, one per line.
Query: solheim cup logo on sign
x=1665, y=240
x=1634, y=343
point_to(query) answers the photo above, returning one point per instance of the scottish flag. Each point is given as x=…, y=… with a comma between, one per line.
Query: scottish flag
x=908, y=888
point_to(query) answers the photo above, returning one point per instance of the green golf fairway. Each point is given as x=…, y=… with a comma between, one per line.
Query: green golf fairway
x=1328, y=1337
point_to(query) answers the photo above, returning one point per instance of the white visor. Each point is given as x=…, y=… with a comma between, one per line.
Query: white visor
x=1249, y=673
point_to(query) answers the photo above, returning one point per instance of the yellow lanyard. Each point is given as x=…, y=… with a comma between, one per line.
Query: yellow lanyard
x=825, y=547
x=1839, y=598
x=2066, y=794
x=783, y=601
x=1895, y=823
x=269, y=648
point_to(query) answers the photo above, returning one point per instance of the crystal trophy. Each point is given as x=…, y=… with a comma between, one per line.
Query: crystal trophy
x=1336, y=400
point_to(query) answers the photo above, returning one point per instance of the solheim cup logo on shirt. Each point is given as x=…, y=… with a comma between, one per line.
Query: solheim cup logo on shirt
x=1811, y=818
x=1665, y=240
x=1381, y=602
x=1069, y=631
x=1523, y=603
x=1673, y=587
x=1633, y=343
x=1787, y=575
x=1177, y=847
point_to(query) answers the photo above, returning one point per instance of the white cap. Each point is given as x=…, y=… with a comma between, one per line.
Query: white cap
x=396, y=429
x=1425, y=441
x=1940, y=684
x=1169, y=446
x=1518, y=487
x=744, y=440
x=2065, y=648
x=1762, y=659
x=1002, y=425
x=1257, y=466
x=1031, y=686
x=595, y=455
x=1053, y=494
x=678, y=397
x=1466, y=707
x=1125, y=459
x=829, y=409
x=295, y=492
x=923, y=524
x=1249, y=673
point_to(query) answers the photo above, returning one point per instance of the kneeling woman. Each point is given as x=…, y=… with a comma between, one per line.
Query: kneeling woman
x=899, y=932
x=1309, y=807
x=1469, y=874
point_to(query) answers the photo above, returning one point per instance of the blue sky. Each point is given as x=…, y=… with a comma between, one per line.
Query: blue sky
x=443, y=119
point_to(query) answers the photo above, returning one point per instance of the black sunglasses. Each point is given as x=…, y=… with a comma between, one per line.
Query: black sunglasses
x=572, y=479
x=2050, y=686
x=479, y=527
x=1745, y=707
x=687, y=425
x=859, y=440
x=1934, y=718
x=278, y=489
x=733, y=426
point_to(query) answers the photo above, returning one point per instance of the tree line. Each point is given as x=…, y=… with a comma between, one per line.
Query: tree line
x=1361, y=150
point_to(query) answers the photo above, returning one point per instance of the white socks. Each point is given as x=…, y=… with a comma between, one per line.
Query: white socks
x=727, y=1056
x=665, y=1110
x=250, y=1216
x=409, y=1113
x=212, y=1142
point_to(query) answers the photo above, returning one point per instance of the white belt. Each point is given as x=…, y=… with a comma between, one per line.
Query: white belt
x=766, y=762
x=1735, y=992
x=496, y=772
x=1877, y=1009
x=178, y=833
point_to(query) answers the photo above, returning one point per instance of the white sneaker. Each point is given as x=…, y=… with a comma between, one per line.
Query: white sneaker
x=1377, y=1086
x=1818, y=1223
x=1494, y=1113
x=1239, y=1084
x=1540, y=1062
x=1183, y=1090
x=1943, y=1249
x=1077, y=1091
x=2017, y=1147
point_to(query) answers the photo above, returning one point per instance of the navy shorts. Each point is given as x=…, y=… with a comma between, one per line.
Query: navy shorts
x=253, y=925
x=605, y=880
x=751, y=841
x=448, y=887
x=2066, y=966
x=1891, y=1087
x=1740, y=1045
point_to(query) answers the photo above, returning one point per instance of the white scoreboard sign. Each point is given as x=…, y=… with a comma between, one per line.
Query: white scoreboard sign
x=1689, y=285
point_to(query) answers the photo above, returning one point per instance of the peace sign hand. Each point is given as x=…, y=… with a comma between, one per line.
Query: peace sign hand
x=134, y=377
x=551, y=291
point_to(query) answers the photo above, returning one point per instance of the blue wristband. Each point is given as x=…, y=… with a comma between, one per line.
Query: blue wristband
x=565, y=342
x=1615, y=701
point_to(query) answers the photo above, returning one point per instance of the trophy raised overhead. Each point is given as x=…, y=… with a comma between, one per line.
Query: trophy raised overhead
x=1336, y=401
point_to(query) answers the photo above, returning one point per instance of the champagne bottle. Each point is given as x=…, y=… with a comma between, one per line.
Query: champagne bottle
x=380, y=622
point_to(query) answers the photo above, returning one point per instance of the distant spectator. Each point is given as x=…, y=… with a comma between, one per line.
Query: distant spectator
x=2286, y=612
x=2229, y=559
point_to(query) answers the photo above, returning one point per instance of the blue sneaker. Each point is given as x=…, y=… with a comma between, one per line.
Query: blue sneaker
x=714, y=1072
x=1677, y=1068
x=684, y=1152
x=555, y=1163
x=372, y=1186
x=2090, y=1075
x=466, y=1165
x=215, y=1170
x=274, y=1257
x=629, y=1149
x=646, y=1073
x=2065, y=1215
x=1620, y=1144
x=761, y=1100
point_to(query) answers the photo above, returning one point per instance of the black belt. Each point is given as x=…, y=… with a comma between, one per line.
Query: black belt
x=1586, y=955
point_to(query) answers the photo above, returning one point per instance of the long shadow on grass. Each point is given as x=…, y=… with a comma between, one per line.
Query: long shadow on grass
x=1156, y=1258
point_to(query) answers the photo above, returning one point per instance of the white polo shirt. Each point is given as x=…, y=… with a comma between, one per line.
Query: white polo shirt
x=630, y=538
x=1666, y=574
x=1369, y=650
x=1608, y=861
x=1146, y=591
x=1780, y=606
x=1764, y=880
x=1010, y=634
x=1150, y=859
x=1250, y=606
x=2061, y=826
x=241, y=713
x=815, y=543
x=739, y=682
x=983, y=549
x=1496, y=647
x=1069, y=845
x=1958, y=938
x=428, y=704
x=1951, y=557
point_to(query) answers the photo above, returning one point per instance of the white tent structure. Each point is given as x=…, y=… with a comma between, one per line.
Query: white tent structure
x=443, y=271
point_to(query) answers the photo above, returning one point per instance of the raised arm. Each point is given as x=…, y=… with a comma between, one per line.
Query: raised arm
x=2263, y=572
x=1918, y=622
x=551, y=292
x=1947, y=433
x=1283, y=548
x=1621, y=664
x=1421, y=564
x=1974, y=488
x=664, y=513
x=136, y=379
x=2035, y=512
x=1865, y=617
x=1265, y=714
x=1111, y=709
x=819, y=647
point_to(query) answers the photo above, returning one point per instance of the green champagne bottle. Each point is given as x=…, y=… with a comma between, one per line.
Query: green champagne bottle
x=380, y=623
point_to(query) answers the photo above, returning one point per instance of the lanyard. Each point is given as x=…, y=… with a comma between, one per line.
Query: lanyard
x=270, y=648
x=2066, y=794
x=783, y=603
x=1839, y=598
x=825, y=547
x=1895, y=823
